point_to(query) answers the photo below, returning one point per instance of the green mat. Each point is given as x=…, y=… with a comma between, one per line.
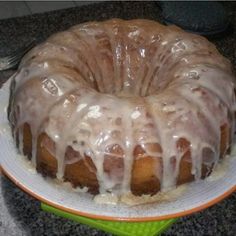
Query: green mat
x=116, y=227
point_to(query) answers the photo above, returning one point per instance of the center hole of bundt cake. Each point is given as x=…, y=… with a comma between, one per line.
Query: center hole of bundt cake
x=127, y=89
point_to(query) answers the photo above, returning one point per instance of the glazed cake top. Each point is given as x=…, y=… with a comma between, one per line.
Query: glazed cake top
x=106, y=88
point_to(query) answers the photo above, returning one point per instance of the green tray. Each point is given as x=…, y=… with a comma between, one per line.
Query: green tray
x=116, y=227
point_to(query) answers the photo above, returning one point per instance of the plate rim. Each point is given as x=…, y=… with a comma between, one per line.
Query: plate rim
x=114, y=218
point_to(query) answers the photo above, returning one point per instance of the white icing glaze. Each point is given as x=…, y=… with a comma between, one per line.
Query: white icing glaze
x=4, y=128
x=107, y=198
x=27, y=164
x=125, y=83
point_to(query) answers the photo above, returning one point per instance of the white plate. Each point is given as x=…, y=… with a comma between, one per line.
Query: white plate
x=195, y=197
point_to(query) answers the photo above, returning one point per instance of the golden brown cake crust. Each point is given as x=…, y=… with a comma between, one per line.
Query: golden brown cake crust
x=144, y=180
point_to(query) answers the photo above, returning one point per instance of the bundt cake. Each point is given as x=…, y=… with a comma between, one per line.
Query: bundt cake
x=123, y=107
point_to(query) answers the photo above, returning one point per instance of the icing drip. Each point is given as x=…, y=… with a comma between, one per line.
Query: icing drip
x=129, y=149
x=106, y=90
x=20, y=139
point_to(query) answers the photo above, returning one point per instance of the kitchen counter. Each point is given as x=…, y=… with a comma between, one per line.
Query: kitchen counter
x=20, y=214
